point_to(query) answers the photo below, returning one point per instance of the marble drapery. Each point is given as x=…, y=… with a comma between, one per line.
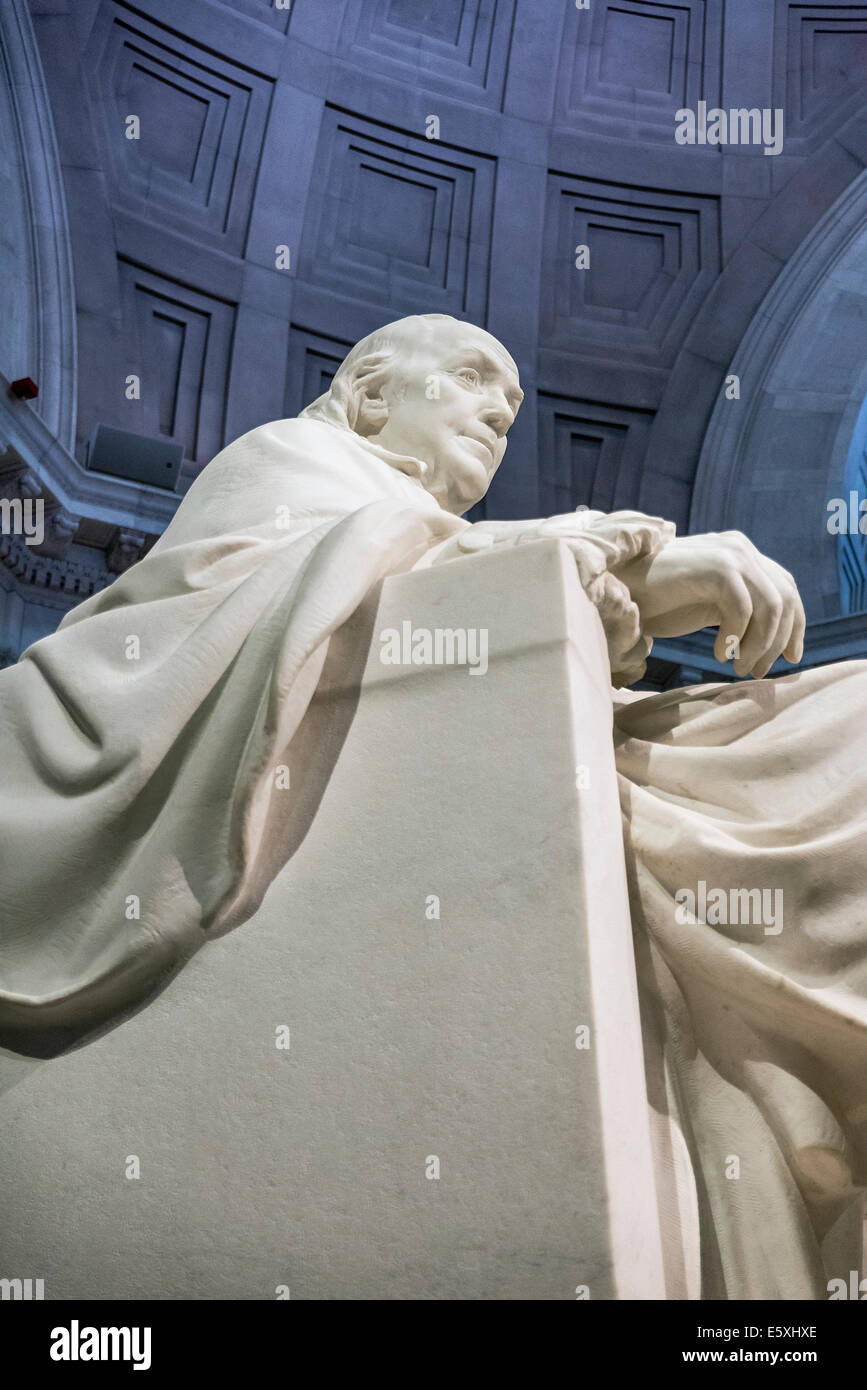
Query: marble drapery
x=760, y=1018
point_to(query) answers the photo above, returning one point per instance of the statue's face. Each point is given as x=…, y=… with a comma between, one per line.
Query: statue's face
x=451, y=405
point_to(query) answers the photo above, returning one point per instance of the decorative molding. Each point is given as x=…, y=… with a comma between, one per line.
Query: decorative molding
x=126, y=549
x=29, y=485
x=460, y=46
x=638, y=61
x=313, y=360
x=589, y=454
x=399, y=220
x=820, y=69
x=202, y=125
x=263, y=10
x=727, y=456
x=105, y=499
x=64, y=525
x=178, y=342
x=771, y=461
x=36, y=573
x=653, y=257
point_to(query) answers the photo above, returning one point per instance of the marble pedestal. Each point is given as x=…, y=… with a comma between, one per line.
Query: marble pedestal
x=432, y=1130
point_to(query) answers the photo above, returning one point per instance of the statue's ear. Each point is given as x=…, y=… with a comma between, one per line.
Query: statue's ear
x=368, y=378
x=372, y=413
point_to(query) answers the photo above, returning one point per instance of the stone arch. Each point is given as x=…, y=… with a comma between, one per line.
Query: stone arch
x=772, y=460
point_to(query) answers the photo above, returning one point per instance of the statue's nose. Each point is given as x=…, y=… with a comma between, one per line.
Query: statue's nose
x=498, y=414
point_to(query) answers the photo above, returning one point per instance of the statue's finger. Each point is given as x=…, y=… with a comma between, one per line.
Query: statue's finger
x=794, y=650
x=769, y=608
x=736, y=610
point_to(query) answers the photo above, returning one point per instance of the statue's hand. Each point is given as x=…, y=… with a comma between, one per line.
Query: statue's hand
x=722, y=581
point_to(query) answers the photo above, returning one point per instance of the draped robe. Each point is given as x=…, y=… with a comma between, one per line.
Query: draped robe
x=139, y=744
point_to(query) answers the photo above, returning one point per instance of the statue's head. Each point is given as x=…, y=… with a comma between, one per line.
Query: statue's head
x=435, y=388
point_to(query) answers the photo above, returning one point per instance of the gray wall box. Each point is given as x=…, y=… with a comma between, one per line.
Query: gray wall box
x=134, y=456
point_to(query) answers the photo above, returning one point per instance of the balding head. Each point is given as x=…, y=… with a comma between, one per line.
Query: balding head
x=433, y=387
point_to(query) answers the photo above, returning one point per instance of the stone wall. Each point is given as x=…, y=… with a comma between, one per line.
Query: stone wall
x=307, y=127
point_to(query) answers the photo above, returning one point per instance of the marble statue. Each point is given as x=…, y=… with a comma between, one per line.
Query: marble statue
x=140, y=741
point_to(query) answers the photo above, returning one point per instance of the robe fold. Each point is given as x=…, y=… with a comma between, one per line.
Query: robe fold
x=760, y=1016
x=141, y=742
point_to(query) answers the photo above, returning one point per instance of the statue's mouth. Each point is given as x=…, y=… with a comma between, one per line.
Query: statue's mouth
x=486, y=449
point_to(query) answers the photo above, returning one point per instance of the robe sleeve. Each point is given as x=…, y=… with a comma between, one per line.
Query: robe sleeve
x=140, y=742
x=603, y=543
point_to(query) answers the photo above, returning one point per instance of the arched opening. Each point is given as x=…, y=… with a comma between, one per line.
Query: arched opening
x=852, y=550
x=774, y=459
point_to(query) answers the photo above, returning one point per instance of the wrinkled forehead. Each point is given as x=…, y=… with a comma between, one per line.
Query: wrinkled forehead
x=452, y=341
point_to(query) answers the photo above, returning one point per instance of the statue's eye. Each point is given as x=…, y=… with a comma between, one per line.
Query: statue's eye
x=470, y=376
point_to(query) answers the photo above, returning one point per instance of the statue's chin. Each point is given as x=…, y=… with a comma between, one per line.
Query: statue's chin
x=470, y=483
x=456, y=504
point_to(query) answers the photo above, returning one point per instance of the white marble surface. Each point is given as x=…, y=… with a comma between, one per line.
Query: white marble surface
x=409, y=1037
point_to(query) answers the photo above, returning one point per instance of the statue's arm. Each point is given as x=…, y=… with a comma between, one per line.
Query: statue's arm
x=601, y=543
x=647, y=582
